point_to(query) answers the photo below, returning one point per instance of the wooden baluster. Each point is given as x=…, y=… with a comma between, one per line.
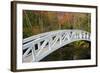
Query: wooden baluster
x=27, y=51
x=82, y=35
x=38, y=45
x=33, y=54
x=55, y=41
x=63, y=36
x=60, y=38
x=89, y=36
x=66, y=36
x=50, y=40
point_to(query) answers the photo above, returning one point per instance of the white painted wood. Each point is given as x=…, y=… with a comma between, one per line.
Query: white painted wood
x=53, y=44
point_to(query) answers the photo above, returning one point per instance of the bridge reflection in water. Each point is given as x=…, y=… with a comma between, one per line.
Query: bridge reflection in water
x=37, y=47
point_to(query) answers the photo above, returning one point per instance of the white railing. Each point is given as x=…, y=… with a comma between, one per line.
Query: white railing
x=41, y=45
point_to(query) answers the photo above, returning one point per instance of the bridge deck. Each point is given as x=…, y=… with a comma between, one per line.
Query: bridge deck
x=28, y=59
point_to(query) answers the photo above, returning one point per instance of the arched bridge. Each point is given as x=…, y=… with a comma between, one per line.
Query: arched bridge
x=36, y=47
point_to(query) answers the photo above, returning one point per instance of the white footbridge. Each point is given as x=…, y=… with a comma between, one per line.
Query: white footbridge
x=37, y=47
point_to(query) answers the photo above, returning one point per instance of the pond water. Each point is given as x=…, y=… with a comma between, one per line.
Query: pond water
x=78, y=50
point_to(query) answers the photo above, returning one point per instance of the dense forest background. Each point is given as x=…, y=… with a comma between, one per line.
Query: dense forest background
x=35, y=22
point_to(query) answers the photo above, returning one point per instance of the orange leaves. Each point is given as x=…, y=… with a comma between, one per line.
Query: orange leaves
x=65, y=17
